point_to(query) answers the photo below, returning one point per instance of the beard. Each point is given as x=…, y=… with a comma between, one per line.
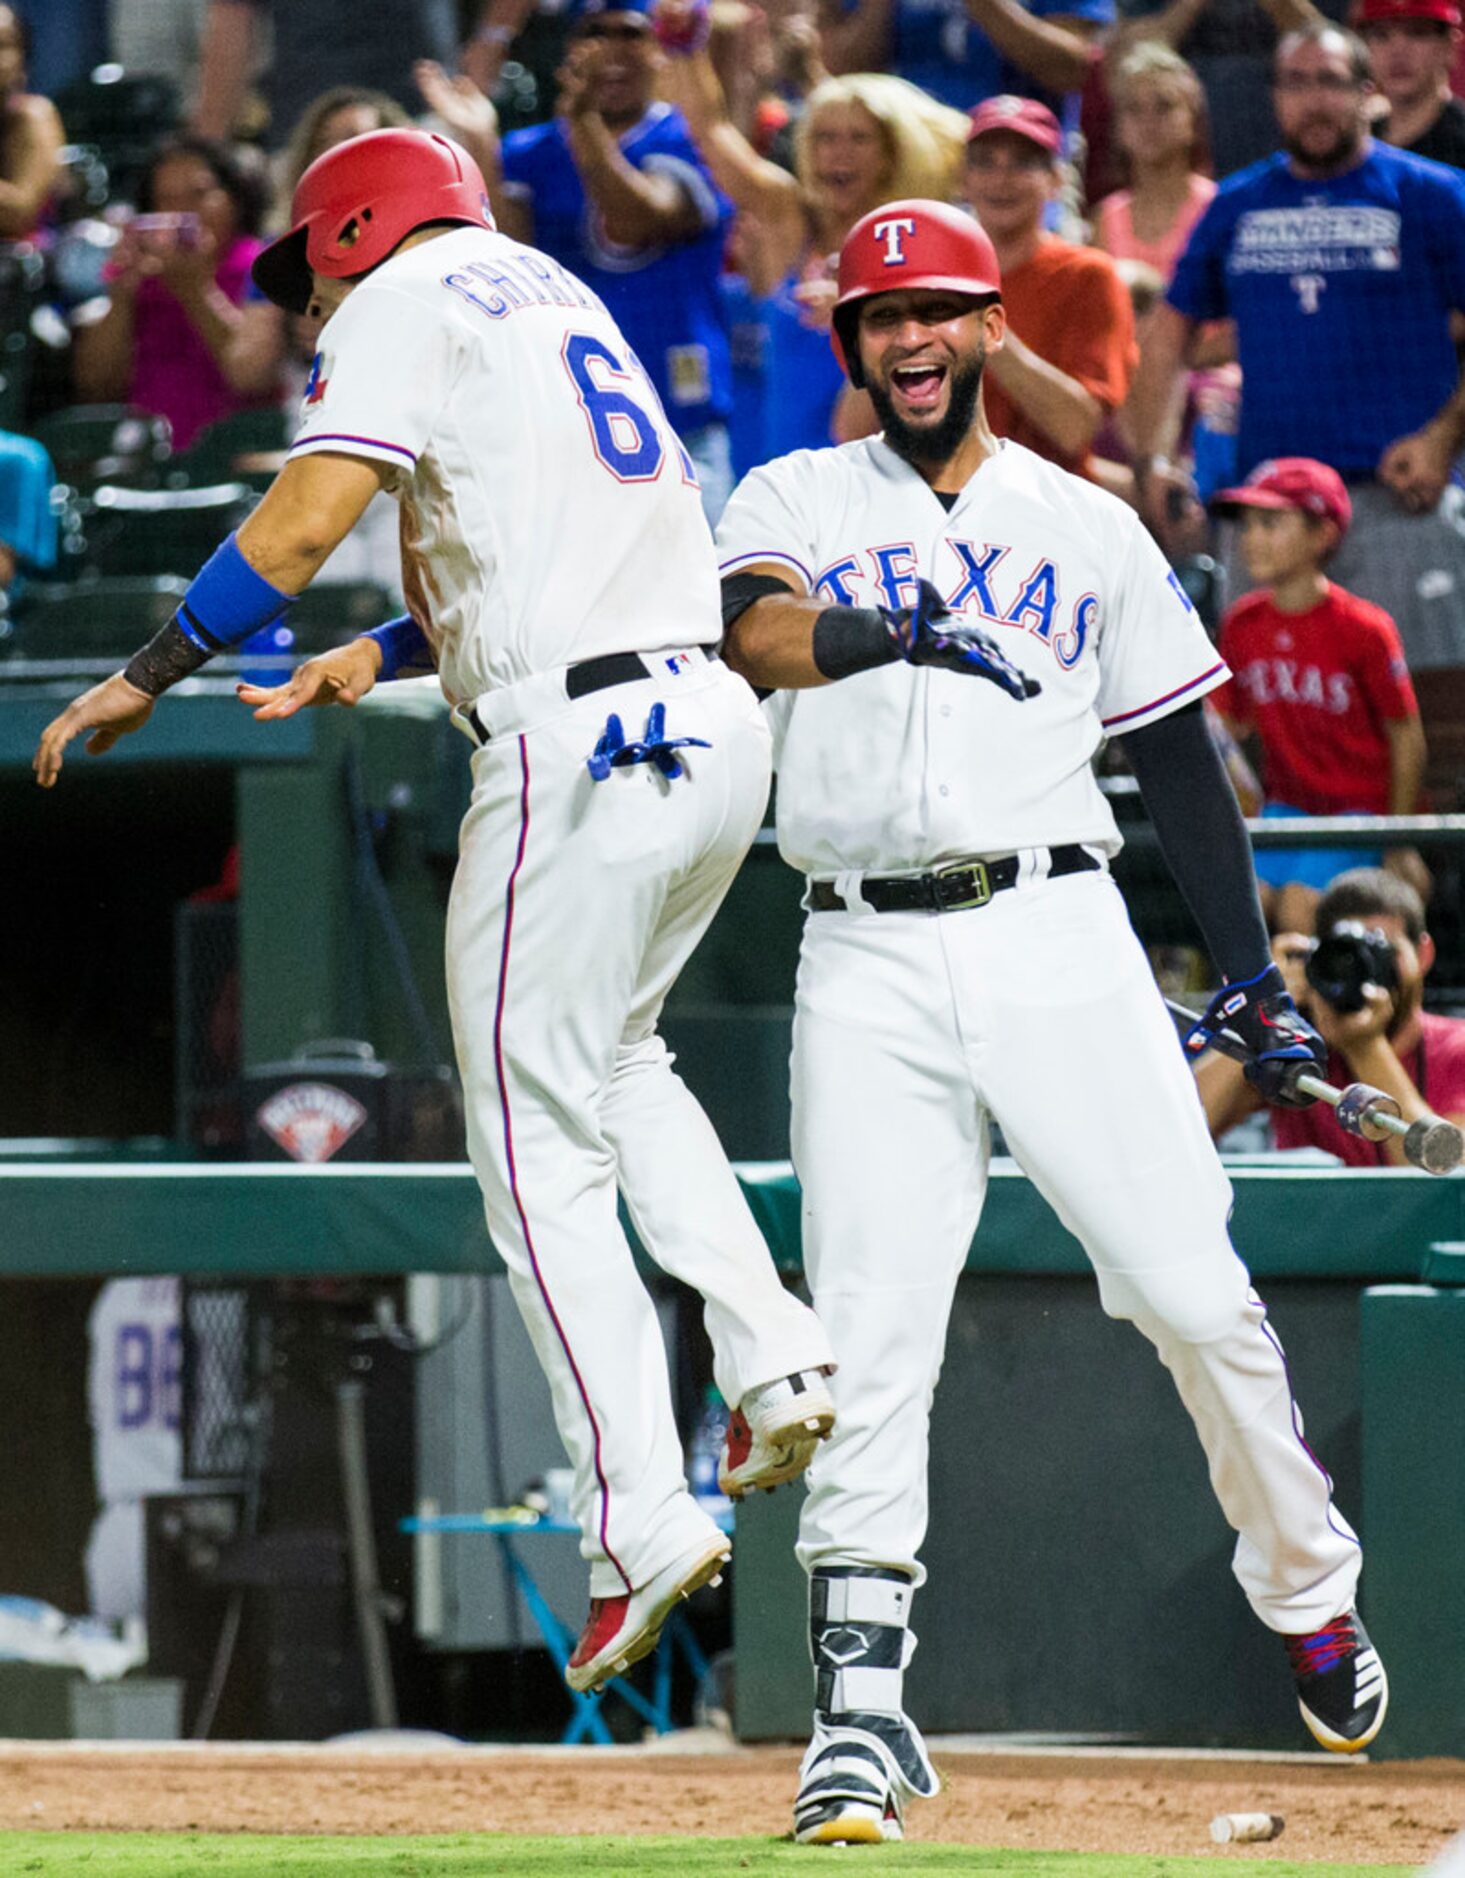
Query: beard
x=932, y=443
x=1336, y=156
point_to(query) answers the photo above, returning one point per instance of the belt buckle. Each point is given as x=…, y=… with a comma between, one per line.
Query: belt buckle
x=979, y=893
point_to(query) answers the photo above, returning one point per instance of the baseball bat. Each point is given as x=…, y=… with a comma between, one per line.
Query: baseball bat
x=1433, y=1145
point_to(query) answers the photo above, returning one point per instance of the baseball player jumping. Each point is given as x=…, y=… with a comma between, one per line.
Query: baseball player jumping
x=562, y=581
x=966, y=956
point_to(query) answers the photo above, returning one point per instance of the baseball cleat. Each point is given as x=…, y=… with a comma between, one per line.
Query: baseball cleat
x=850, y=1792
x=772, y=1434
x=620, y=1631
x=850, y=1822
x=1341, y=1686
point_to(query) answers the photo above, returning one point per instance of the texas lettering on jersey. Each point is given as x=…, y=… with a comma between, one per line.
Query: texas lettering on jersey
x=978, y=579
x=1286, y=681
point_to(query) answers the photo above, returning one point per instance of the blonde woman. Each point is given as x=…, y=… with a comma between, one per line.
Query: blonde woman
x=861, y=140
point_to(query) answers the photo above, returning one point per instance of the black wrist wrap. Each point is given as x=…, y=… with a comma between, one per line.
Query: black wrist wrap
x=850, y=639
x=168, y=656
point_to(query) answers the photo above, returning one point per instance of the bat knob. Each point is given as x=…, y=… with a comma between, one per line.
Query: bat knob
x=1436, y=1146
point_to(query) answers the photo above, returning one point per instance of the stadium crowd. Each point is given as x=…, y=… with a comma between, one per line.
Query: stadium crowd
x=1231, y=236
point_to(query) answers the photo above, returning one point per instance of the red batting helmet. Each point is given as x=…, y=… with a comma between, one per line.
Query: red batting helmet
x=907, y=244
x=355, y=203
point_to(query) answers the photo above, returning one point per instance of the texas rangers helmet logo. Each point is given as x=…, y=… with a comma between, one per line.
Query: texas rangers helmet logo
x=890, y=232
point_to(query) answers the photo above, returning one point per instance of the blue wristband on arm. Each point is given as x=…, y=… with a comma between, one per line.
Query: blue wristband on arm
x=403, y=646
x=228, y=601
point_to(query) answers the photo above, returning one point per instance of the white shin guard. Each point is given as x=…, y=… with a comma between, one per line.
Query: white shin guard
x=866, y=1755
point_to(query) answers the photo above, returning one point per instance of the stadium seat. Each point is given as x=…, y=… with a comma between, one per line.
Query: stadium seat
x=91, y=619
x=160, y=531
x=84, y=185
x=106, y=443
x=215, y=456
x=125, y=115
x=21, y=274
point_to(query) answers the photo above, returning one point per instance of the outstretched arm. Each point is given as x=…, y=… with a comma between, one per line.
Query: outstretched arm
x=690, y=82
x=36, y=138
x=857, y=40
x=226, y=64
x=781, y=640
x=1058, y=53
x=309, y=509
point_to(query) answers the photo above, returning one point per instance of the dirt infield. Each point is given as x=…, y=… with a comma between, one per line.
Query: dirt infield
x=1399, y=1812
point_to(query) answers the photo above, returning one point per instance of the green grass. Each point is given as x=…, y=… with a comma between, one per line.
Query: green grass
x=220, y=1855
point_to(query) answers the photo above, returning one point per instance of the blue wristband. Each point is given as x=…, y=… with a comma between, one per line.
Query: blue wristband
x=227, y=601
x=403, y=644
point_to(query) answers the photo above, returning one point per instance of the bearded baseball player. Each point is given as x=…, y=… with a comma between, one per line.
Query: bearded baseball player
x=562, y=581
x=966, y=956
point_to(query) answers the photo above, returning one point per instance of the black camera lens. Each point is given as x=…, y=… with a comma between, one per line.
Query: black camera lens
x=1346, y=959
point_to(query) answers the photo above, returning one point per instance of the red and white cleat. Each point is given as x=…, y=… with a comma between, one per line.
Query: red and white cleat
x=772, y=1434
x=620, y=1631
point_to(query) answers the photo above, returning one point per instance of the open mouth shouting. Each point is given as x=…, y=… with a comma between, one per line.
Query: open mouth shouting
x=919, y=386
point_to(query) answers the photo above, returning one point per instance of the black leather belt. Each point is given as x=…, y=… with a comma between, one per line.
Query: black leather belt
x=611, y=668
x=947, y=889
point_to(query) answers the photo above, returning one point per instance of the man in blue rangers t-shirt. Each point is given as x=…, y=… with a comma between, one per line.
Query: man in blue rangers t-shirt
x=1341, y=261
x=614, y=189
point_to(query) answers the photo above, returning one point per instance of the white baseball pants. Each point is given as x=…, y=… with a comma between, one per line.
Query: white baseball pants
x=575, y=905
x=1038, y=1009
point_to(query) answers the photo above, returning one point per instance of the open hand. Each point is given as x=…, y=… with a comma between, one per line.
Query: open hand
x=343, y=675
x=928, y=635
x=109, y=711
x=459, y=102
x=574, y=101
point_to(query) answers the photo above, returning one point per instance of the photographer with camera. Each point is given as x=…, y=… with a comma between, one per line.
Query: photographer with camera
x=1361, y=982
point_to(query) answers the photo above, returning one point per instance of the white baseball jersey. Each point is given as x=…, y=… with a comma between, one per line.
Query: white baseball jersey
x=549, y=513
x=1088, y=608
x=912, y=1031
x=134, y=1378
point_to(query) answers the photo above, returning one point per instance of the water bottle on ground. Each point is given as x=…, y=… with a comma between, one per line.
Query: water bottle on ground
x=705, y=1452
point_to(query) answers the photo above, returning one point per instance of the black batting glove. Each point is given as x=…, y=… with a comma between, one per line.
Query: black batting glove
x=1283, y=1044
x=927, y=634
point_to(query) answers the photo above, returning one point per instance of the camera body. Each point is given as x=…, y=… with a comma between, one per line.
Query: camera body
x=1345, y=959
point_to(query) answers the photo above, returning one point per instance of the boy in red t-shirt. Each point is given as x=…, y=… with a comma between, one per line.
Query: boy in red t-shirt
x=1318, y=676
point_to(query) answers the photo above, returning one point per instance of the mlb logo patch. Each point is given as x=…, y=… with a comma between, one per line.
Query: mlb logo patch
x=678, y=663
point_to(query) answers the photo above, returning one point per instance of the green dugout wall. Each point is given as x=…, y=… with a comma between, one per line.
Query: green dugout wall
x=1079, y=1568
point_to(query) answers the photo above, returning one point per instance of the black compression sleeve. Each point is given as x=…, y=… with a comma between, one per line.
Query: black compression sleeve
x=1202, y=837
x=168, y=656
x=850, y=639
x=739, y=591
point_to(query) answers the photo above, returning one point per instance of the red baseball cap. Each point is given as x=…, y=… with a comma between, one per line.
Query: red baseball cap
x=1383, y=12
x=1024, y=117
x=1292, y=482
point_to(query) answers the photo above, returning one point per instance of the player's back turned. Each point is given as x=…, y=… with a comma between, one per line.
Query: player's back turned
x=539, y=478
